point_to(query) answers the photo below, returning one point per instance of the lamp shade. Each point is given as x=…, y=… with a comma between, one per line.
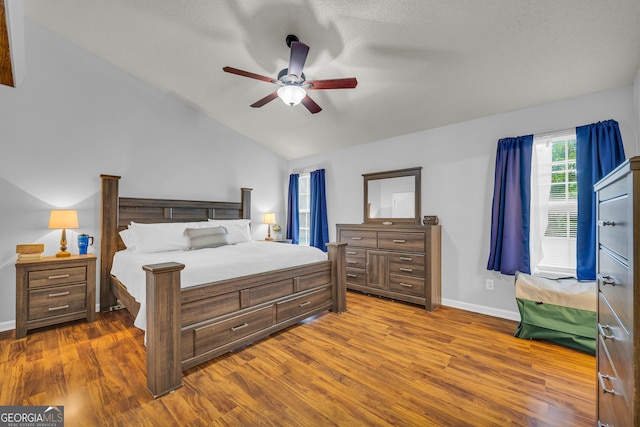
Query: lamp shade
x=291, y=95
x=269, y=218
x=60, y=218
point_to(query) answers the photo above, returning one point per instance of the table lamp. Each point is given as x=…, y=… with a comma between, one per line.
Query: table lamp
x=269, y=219
x=64, y=219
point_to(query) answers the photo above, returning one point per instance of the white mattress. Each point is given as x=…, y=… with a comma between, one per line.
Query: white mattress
x=210, y=265
x=562, y=292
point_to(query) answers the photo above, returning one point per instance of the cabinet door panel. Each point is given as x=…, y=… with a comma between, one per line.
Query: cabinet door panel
x=377, y=270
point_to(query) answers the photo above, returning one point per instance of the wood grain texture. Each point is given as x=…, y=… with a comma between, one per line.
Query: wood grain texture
x=379, y=363
x=6, y=67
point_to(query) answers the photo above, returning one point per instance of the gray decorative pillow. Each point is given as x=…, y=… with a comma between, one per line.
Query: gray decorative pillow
x=210, y=237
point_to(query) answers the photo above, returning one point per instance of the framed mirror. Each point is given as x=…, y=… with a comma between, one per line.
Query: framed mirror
x=392, y=196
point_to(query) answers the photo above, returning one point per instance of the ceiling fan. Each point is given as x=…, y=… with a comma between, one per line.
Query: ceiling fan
x=292, y=81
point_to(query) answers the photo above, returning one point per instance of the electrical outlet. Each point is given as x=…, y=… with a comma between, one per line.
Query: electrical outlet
x=489, y=284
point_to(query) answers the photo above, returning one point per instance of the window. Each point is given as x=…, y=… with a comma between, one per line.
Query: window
x=554, y=204
x=304, y=217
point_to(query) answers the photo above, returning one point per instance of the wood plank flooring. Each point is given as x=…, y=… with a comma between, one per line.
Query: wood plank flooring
x=382, y=363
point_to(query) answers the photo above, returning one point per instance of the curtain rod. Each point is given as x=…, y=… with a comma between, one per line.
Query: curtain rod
x=554, y=133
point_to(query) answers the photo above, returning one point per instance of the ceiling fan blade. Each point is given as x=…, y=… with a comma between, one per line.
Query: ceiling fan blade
x=299, y=53
x=311, y=105
x=248, y=74
x=348, y=83
x=265, y=100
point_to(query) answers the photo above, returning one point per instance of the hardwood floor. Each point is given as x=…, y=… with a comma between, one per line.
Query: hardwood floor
x=381, y=363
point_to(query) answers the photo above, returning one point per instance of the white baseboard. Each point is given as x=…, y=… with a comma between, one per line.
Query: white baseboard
x=495, y=312
x=7, y=326
x=504, y=314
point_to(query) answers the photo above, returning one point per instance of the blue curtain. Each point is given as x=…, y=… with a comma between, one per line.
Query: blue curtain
x=293, y=227
x=599, y=150
x=319, y=228
x=510, y=214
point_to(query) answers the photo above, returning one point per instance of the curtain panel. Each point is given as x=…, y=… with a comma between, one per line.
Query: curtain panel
x=293, y=226
x=319, y=227
x=510, y=215
x=599, y=150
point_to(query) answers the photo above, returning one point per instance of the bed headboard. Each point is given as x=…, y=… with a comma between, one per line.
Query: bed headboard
x=117, y=212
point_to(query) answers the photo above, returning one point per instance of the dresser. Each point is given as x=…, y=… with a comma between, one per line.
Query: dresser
x=54, y=290
x=401, y=262
x=618, y=313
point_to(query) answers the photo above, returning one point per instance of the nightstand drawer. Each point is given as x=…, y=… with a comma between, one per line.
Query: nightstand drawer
x=58, y=276
x=57, y=300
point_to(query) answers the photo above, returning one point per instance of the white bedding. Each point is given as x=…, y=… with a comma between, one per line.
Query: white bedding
x=210, y=265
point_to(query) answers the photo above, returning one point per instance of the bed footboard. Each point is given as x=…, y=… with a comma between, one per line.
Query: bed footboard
x=188, y=327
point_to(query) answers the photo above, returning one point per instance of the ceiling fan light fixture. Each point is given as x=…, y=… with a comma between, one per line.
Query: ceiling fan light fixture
x=291, y=94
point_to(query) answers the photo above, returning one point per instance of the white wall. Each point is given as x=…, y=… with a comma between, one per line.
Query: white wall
x=74, y=117
x=457, y=184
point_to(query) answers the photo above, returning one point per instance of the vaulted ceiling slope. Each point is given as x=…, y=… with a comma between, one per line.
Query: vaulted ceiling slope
x=420, y=64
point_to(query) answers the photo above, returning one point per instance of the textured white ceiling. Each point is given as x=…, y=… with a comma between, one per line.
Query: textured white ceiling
x=420, y=64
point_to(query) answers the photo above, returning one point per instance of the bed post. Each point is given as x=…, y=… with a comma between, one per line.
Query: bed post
x=245, y=199
x=108, y=238
x=337, y=256
x=164, y=322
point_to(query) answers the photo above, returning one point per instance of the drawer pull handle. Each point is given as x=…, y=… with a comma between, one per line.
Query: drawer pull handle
x=351, y=253
x=62, y=307
x=59, y=294
x=352, y=262
x=406, y=270
x=601, y=328
x=399, y=241
x=602, y=425
x=607, y=280
x=605, y=390
x=356, y=238
x=59, y=276
x=406, y=285
x=606, y=223
x=302, y=304
x=236, y=328
x=405, y=258
x=351, y=275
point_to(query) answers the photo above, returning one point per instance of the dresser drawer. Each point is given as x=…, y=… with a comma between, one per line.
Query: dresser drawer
x=613, y=225
x=299, y=305
x=617, y=341
x=57, y=300
x=613, y=282
x=356, y=276
x=365, y=239
x=227, y=331
x=406, y=285
x=411, y=242
x=611, y=394
x=356, y=257
x=406, y=264
x=57, y=276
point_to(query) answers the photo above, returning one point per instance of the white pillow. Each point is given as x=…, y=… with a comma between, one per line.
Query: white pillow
x=162, y=237
x=238, y=230
x=128, y=238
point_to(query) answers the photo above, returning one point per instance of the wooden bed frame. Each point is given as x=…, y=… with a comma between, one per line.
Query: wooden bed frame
x=186, y=327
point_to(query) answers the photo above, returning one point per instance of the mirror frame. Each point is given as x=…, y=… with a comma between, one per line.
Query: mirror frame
x=415, y=172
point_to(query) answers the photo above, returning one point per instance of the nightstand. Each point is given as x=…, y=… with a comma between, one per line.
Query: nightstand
x=54, y=290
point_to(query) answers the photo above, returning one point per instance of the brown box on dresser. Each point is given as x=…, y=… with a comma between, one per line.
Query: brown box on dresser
x=618, y=312
x=54, y=290
x=401, y=262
